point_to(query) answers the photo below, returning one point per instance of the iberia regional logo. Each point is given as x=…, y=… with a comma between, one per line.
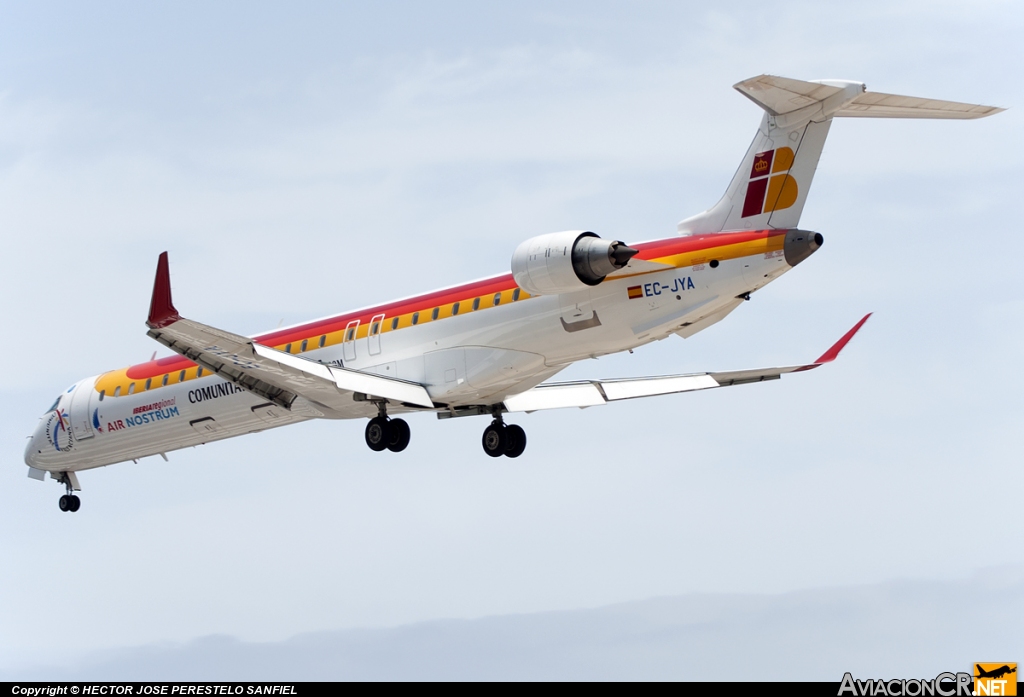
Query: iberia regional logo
x=770, y=188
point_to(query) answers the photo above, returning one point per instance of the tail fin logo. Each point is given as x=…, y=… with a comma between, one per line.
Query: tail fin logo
x=770, y=193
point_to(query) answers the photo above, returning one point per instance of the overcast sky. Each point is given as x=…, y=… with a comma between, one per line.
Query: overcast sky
x=301, y=162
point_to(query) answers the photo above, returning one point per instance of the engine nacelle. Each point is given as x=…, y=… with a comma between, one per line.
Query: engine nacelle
x=561, y=262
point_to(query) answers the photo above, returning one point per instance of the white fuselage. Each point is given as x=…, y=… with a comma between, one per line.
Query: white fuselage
x=474, y=358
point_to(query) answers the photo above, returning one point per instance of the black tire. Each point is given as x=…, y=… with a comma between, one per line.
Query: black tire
x=515, y=440
x=65, y=503
x=494, y=439
x=377, y=433
x=76, y=503
x=398, y=435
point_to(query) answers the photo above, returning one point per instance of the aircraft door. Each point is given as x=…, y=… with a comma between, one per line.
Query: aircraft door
x=81, y=418
x=348, y=342
x=373, y=336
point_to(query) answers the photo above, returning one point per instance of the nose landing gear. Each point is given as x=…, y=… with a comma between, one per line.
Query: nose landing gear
x=500, y=439
x=69, y=503
x=383, y=433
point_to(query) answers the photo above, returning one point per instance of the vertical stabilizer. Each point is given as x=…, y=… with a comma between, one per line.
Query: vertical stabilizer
x=771, y=185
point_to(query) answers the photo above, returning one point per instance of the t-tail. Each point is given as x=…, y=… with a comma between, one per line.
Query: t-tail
x=771, y=185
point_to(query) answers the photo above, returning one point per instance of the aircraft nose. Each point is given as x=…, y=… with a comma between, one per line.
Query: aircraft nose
x=801, y=244
x=34, y=446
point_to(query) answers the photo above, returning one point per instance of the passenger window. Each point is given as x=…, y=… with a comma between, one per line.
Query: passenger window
x=199, y=373
x=415, y=318
x=302, y=349
x=515, y=295
x=374, y=328
x=351, y=333
x=497, y=299
x=181, y=376
x=433, y=313
x=167, y=376
x=131, y=388
x=149, y=382
x=455, y=309
x=287, y=349
x=323, y=340
x=117, y=392
x=476, y=303
x=394, y=324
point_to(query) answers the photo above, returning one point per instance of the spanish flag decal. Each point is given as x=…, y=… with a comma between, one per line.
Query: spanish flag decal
x=770, y=193
x=635, y=292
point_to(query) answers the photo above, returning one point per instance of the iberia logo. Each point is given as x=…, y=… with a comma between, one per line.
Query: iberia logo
x=770, y=193
x=995, y=678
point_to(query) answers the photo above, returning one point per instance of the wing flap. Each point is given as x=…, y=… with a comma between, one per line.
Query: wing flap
x=615, y=390
x=557, y=396
x=351, y=380
x=277, y=376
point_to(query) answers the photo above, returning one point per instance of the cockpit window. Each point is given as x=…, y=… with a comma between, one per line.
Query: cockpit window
x=54, y=406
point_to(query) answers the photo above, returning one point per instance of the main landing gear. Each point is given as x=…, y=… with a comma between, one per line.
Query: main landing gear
x=383, y=433
x=501, y=439
x=69, y=503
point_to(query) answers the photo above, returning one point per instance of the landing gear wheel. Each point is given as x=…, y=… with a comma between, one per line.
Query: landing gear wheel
x=397, y=435
x=377, y=433
x=494, y=439
x=76, y=503
x=65, y=503
x=515, y=440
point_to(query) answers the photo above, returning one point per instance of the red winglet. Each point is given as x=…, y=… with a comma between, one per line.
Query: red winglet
x=161, y=310
x=833, y=352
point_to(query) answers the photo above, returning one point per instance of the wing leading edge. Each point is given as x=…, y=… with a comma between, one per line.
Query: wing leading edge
x=591, y=393
x=277, y=376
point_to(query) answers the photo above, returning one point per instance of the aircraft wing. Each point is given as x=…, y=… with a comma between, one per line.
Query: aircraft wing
x=591, y=393
x=277, y=376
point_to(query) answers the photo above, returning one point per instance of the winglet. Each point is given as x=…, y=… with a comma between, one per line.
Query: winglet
x=833, y=352
x=161, y=309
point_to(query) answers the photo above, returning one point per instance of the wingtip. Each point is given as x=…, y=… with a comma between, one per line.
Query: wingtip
x=161, y=309
x=833, y=352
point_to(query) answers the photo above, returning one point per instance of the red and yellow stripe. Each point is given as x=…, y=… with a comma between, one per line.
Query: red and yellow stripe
x=471, y=297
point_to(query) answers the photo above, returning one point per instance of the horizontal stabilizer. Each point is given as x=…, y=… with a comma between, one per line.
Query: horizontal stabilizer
x=895, y=106
x=782, y=95
x=592, y=393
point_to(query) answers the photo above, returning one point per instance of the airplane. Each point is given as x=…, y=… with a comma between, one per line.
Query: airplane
x=488, y=347
x=995, y=673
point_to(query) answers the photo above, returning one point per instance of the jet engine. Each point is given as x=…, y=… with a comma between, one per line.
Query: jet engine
x=562, y=262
